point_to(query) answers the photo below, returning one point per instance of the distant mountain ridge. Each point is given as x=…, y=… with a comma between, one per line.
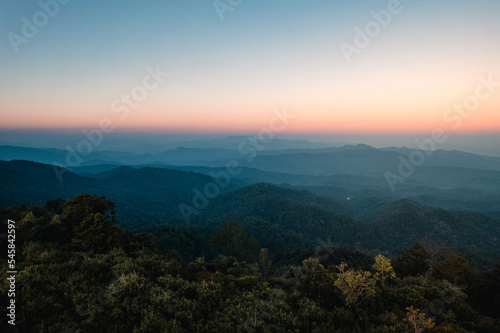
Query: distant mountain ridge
x=452, y=179
x=349, y=159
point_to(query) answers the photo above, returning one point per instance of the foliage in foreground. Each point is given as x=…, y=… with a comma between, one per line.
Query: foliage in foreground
x=79, y=273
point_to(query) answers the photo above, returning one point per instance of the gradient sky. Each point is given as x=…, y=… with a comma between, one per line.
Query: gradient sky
x=228, y=76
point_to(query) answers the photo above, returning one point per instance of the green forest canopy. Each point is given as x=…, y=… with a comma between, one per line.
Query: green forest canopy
x=78, y=272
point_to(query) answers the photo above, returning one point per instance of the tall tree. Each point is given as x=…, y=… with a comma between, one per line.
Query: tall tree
x=383, y=269
x=413, y=261
x=231, y=236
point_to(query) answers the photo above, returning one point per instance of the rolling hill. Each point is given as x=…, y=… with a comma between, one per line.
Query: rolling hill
x=280, y=218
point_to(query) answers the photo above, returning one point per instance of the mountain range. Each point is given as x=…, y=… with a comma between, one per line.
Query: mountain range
x=279, y=217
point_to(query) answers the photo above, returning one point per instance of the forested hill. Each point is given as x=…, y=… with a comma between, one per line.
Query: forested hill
x=277, y=216
x=144, y=196
x=254, y=199
x=282, y=218
x=404, y=222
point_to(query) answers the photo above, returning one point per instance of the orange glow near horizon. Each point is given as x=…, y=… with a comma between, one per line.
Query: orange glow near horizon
x=379, y=110
x=238, y=121
x=204, y=76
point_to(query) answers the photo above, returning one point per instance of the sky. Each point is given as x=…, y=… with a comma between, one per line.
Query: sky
x=341, y=68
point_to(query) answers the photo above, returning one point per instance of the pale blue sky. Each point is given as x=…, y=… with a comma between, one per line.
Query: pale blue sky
x=262, y=55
